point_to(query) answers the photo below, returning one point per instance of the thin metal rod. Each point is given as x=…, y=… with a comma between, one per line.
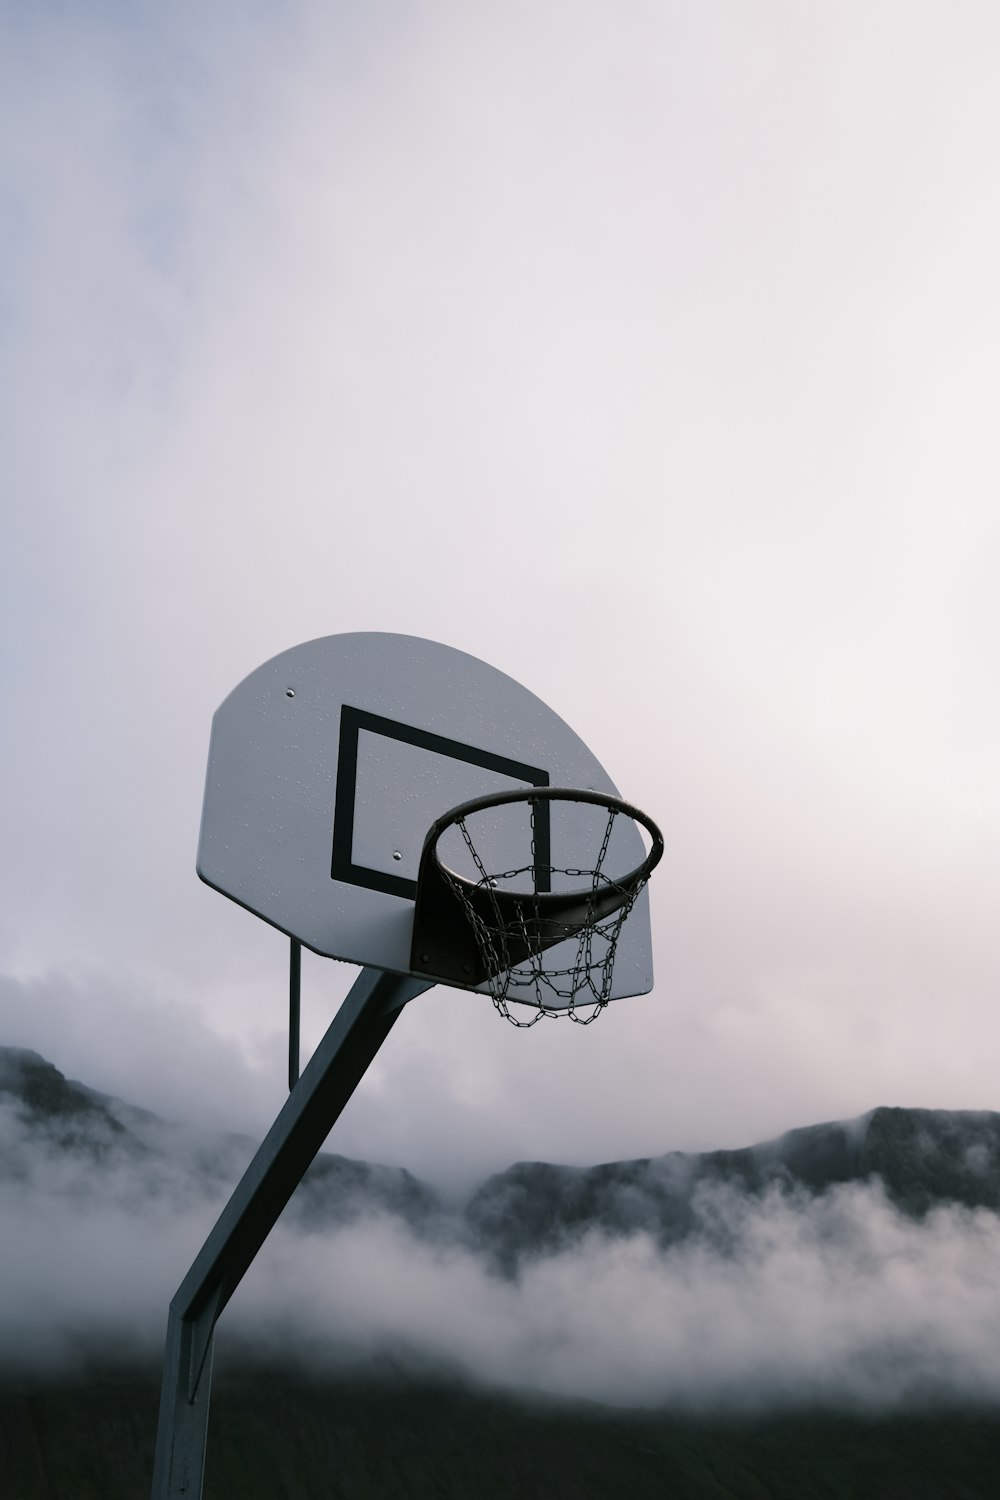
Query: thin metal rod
x=294, y=1010
x=330, y=1077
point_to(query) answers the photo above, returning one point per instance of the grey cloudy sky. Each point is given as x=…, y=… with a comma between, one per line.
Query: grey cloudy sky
x=648, y=353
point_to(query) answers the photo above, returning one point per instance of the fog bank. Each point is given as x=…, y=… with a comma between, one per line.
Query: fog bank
x=772, y=1300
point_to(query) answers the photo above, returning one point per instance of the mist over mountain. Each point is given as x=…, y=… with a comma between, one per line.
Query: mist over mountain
x=841, y=1275
x=852, y=1263
x=922, y=1158
x=58, y=1115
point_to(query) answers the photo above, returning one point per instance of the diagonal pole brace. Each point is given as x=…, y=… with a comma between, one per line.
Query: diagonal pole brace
x=336, y=1068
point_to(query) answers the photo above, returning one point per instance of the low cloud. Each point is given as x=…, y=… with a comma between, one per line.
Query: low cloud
x=770, y=1300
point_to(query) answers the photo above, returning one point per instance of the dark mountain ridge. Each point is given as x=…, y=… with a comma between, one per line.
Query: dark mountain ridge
x=63, y=1115
x=923, y=1158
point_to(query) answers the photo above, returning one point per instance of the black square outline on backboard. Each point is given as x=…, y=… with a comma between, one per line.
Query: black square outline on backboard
x=352, y=720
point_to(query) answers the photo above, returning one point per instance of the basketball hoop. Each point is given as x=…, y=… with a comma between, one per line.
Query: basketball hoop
x=517, y=894
x=552, y=949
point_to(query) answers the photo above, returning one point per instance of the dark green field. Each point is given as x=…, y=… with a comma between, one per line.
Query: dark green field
x=277, y=1438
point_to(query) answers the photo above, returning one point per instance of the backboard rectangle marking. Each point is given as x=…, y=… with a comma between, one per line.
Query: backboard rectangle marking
x=352, y=722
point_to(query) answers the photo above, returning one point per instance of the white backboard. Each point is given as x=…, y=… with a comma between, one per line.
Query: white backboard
x=328, y=764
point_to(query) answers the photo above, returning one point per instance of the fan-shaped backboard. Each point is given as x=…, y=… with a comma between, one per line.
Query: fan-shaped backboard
x=329, y=763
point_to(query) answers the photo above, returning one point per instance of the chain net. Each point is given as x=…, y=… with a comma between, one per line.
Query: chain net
x=579, y=985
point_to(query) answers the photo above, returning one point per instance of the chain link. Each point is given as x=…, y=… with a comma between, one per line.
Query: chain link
x=591, y=972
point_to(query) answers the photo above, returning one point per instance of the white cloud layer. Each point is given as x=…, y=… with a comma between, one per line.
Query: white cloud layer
x=773, y=1301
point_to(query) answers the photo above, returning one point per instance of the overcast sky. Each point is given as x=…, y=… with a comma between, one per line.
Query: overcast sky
x=648, y=352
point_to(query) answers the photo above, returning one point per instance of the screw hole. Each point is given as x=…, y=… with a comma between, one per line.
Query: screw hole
x=396, y=854
x=289, y=692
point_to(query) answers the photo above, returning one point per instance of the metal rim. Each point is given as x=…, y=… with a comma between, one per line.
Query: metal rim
x=639, y=874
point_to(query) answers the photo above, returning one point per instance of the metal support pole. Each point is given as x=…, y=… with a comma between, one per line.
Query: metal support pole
x=294, y=1008
x=333, y=1073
